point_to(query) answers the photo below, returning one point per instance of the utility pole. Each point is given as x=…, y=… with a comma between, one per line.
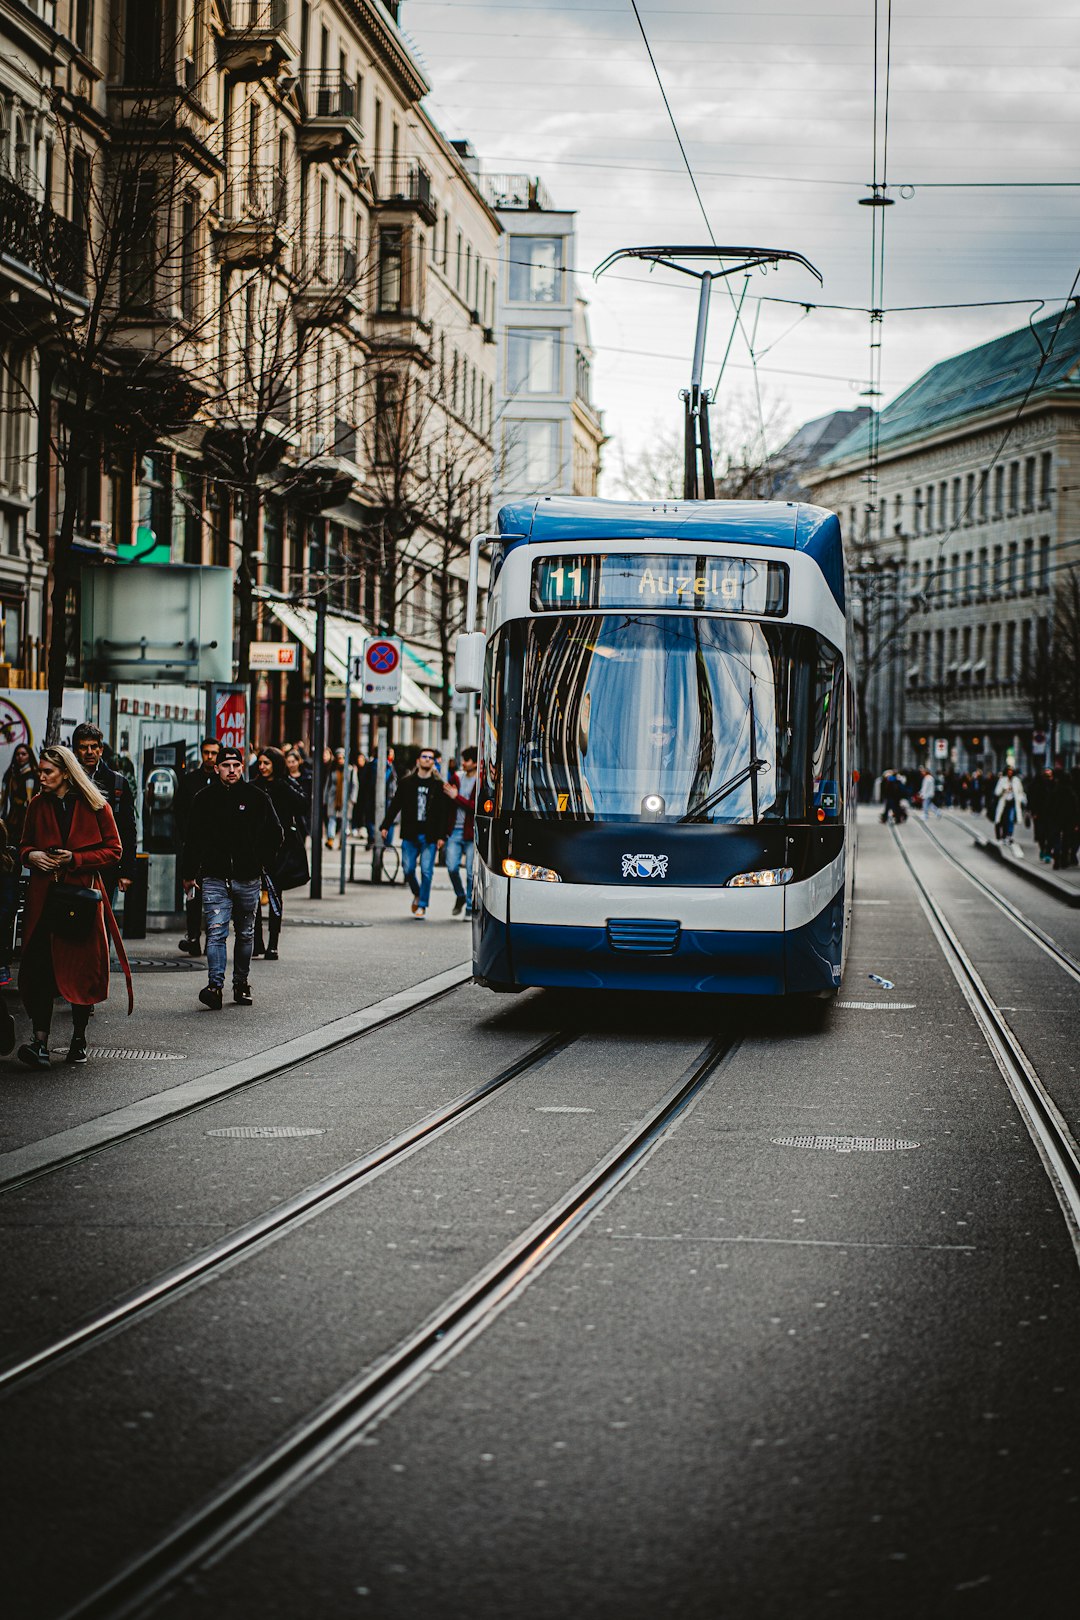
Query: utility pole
x=318, y=736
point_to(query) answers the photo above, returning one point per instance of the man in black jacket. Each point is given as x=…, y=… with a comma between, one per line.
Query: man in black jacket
x=188, y=788
x=233, y=833
x=426, y=815
x=89, y=746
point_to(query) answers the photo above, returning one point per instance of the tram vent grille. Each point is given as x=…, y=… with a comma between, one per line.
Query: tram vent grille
x=653, y=936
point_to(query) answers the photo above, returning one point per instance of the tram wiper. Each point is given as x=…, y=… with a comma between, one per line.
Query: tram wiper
x=749, y=773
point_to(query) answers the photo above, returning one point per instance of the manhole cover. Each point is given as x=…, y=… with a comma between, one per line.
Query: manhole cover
x=129, y=1052
x=879, y=1006
x=266, y=1130
x=847, y=1144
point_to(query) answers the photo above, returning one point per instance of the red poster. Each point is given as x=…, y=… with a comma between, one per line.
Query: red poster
x=230, y=719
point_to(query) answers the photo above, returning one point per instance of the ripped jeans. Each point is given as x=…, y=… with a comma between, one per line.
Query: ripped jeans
x=225, y=900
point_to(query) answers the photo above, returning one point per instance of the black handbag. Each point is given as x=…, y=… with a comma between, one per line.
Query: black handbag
x=71, y=913
x=290, y=869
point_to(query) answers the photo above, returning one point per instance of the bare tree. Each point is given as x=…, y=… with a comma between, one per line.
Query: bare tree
x=123, y=346
x=750, y=460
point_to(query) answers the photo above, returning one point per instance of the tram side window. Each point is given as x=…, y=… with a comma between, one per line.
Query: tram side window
x=827, y=717
x=490, y=710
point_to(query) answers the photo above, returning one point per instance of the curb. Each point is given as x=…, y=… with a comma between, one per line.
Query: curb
x=1026, y=869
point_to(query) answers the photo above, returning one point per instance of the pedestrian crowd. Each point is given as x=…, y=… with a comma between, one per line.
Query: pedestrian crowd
x=242, y=825
x=1047, y=800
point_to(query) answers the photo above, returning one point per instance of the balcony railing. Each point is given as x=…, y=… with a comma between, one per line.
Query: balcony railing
x=327, y=261
x=255, y=43
x=52, y=247
x=256, y=193
x=256, y=15
x=404, y=184
x=328, y=95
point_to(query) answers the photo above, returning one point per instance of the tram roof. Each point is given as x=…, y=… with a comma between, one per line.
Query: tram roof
x=790, y=525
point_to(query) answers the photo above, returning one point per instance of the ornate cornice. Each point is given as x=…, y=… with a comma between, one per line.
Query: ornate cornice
x=384, y=36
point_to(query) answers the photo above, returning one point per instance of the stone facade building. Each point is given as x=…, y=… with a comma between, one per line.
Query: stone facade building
x=961, y=534
x=294, y=370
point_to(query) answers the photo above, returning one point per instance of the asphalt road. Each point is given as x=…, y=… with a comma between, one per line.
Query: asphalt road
x=815, y=1356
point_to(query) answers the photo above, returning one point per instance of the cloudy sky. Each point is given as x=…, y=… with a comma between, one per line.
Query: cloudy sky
x=775, y=104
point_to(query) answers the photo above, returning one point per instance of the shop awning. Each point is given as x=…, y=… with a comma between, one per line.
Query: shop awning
x=300, y=622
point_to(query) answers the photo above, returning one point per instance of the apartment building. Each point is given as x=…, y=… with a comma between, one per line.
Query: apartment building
x=960, y=537
x=294, y=370
x=549, y=435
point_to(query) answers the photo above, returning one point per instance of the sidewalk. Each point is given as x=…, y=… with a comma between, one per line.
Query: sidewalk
x=338, y=955
x=1023, y=857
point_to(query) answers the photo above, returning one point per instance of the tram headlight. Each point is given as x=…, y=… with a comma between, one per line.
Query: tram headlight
x=526, y=869
x=769, y=878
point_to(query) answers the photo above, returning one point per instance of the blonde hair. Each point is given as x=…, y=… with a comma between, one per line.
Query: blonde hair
x=65, y=760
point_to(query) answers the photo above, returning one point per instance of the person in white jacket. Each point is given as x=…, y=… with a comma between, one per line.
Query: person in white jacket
x=928, y=791
x=1010, y=801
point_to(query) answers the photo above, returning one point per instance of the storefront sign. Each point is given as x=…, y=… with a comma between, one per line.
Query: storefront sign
x=274, y=655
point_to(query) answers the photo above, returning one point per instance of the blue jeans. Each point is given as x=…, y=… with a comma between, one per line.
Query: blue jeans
x=225, y=900
x=455, y=844
x=423, y=850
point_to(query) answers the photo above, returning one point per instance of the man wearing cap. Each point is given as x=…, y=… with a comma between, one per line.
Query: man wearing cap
x=188, y=788
x=233, y=833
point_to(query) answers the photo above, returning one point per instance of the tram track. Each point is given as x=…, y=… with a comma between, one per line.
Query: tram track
x=1053, y=1139
x=1031, y=930
x=264, y=1485
x=272, y=1224
x=42, y=1158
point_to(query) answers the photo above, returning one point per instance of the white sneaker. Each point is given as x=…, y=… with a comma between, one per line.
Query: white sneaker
x=420, y=913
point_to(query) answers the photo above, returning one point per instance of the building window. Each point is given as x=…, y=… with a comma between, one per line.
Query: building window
x=984, y=496
x=1046, y=474
x=142, y=42
x=995, y=651
x=955, y=503
x=969, y=574
x=532, y=363
x=969, y=498
x=1029, y=483
x=917, y=512
x=939, y=656
x=535, y=269
x=531, y=454
x=387, y=420
x=1012, y=580
x=1009, y=671
x=1014, y=487
x=984, y=570
x=1044, y=563
x=188, y=259
x=999, y=492
x=1025, y=650
x=1027, y=583
x=138, y=244
x=390, y=269
x=929, y=508
x=943, y=504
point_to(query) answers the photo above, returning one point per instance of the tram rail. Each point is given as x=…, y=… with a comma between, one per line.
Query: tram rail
x=1054, y=1142
x=274, y=1223
x=150, y=1115
x=264, y=1486
x=1039, y=936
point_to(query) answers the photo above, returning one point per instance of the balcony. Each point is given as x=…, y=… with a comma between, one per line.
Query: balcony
x=251, y=227
x=255, y=42
x=330, y=126
x=327, y=276
x=405, y=188
x=50, y=249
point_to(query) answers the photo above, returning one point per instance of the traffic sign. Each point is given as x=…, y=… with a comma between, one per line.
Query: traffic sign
x=382, y=670
x=274, y=655
x=941, y=747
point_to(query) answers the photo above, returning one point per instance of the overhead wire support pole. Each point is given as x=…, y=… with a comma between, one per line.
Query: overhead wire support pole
x=697, y=441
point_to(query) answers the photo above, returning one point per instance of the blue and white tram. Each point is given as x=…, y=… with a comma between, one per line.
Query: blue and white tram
x=664, y=798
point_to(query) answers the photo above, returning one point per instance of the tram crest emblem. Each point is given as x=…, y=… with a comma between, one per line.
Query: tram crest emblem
x=644, y=866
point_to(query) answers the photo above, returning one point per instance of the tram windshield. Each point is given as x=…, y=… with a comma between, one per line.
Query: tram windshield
x=675, y=717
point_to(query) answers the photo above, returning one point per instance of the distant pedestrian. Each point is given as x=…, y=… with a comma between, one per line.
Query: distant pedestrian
x=191, y=784
x=88, y=743
x=425, y=819
x=69, y=841
x=19, y=786
x=1010, y=799
x=284, y=871
x=928, y=792
x=461, y=791
x=339, y=792
x=233, y=834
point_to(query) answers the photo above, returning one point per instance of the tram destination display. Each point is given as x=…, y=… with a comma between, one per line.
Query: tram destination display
x=660, y=583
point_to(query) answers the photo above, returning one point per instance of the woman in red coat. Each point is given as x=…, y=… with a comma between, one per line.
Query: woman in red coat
x=69, y=837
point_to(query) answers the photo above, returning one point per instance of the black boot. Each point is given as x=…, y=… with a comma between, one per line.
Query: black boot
x=35, y=1054
x=76, y=1052
x=241, y=994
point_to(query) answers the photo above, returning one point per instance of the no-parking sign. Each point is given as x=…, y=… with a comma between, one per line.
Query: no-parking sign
x=382, y=670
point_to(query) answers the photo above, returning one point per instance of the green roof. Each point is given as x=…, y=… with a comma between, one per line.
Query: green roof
x=995, y=374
